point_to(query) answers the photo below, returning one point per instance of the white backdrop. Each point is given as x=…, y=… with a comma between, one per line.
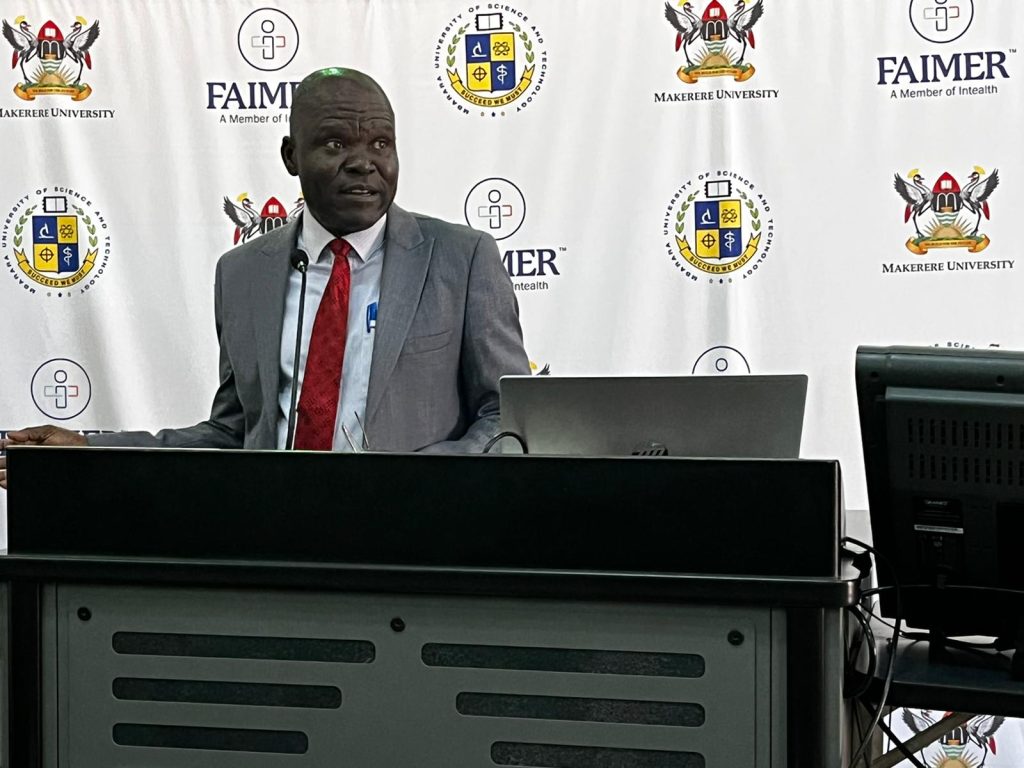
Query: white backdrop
x=584, y=164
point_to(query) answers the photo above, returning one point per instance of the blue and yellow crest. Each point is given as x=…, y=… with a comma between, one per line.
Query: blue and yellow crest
x=56, y=239
x=718, y=227
x=491, y=60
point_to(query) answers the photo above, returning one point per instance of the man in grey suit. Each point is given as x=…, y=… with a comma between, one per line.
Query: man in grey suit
x=432, y=321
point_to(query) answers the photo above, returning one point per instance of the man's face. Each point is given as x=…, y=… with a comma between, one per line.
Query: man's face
x=342, y=148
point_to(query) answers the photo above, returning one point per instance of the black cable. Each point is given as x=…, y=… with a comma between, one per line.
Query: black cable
x=856, y=715
x=862, y=562
x=893, y=646
x=501, y=435
x=945, y=587
x=869, y=638
x=991, y=652
x=895, y=740
x=950, y=641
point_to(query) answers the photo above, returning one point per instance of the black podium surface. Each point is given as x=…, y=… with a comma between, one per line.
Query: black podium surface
x=706, y=516
x=733, y=563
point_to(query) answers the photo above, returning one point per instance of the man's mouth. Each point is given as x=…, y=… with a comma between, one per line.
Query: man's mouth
x=358, y=190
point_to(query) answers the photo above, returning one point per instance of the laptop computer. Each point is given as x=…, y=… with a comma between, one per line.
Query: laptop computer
x=696, y=416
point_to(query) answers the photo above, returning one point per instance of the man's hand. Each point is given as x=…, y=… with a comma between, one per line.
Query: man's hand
x=45, y=435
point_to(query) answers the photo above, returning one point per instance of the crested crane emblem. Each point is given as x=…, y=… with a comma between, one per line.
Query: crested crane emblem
x=715, y=44
x=967, y=746
x=947, y=215
x=250, y=223
x=51, y=63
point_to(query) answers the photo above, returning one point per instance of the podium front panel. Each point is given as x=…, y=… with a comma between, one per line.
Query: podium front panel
x=162, y=677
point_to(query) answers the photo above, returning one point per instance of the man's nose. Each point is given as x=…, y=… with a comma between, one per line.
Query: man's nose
x=357, y=161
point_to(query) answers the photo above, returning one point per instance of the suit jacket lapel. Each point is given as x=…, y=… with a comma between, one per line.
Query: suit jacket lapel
x=406, y=261
x=267, y=290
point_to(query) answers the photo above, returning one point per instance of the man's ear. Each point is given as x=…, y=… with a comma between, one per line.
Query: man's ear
x=288, y=155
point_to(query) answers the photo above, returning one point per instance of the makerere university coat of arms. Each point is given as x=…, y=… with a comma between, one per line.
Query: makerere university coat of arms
x=51, y=64
x=723, y=39
x=948, y=209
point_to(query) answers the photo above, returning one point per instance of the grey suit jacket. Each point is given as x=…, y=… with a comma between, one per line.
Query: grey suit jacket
x=447, y=329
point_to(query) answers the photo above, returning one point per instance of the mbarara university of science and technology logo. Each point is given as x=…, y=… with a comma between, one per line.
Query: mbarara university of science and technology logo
x=55, y=240
x=490, y=60
x=51, y=63
x=718, y=228
x=252, y=222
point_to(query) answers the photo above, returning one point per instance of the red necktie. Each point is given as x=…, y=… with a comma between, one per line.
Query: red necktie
x=321, y=382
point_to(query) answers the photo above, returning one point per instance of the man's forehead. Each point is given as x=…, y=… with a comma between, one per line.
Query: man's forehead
x=344, y=104
x=348, y=119
x=347, y=89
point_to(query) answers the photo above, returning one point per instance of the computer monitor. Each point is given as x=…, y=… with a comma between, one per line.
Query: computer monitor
x=943, y=438
x=753, y=417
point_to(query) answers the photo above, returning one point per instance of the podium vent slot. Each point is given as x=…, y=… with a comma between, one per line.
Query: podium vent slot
x=244, y=647
x=564, y=756
x=224, y=739
x=563, y=660
x=580, y=709
x=218, y=692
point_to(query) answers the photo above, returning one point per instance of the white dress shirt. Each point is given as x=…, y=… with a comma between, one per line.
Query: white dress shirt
x=365, y=260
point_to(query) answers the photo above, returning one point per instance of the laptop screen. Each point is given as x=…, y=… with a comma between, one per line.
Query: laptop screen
x=696, y=416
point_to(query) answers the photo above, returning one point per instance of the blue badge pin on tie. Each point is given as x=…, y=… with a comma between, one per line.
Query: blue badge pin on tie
x=371, y=317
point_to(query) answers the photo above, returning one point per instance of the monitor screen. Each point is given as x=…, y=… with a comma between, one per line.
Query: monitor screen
x=943, y=438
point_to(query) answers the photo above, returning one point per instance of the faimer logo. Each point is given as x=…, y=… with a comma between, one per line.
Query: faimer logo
x=490, y=60
x=51, y=65
x=715, y=45
x=941, y=21
x=61, y=389
x=947, y=216
x=944, y=73
x=498, y=207
x=55, y=240
x=720, y=361
x=268, y=40
x=250, y=222
x=729, y=222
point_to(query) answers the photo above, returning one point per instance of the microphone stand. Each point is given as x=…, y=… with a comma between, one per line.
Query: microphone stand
x=300, y=261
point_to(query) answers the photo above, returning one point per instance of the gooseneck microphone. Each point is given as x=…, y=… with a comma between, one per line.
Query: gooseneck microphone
x=300, y=261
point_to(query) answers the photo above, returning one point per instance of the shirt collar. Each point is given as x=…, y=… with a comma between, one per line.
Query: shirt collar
x=314, y=239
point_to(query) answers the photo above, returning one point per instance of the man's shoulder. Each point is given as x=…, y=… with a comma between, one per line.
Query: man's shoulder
x=447, y=231
x=276, y=243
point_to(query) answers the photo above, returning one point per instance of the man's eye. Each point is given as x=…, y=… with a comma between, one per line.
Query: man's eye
x=334, y=144
x=381, y=144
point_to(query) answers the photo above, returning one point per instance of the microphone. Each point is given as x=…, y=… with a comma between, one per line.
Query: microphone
x=300, y=261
